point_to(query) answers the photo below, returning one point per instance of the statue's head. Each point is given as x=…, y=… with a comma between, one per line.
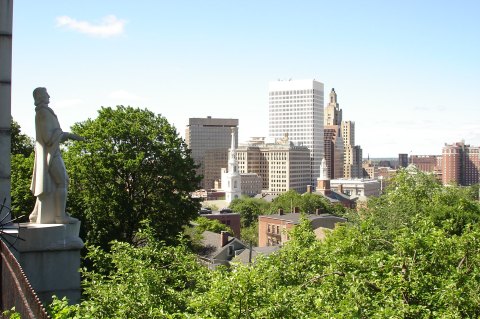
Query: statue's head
x=40, y=96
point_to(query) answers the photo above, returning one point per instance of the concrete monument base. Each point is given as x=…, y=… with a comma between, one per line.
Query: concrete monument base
x=50, y=258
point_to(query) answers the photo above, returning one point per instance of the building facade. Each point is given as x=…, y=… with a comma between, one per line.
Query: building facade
x=296, y=109
x=357, y=187
x=333, y=140
x=273, y=229
x=352, y=158
x=426, y=163
x=370, y=170
x=209, y=139
x=281, y=165
x=251, y=184
x=461, y=164
x=402, y=160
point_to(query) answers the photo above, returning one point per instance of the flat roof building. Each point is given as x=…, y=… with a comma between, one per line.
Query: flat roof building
x=209, y=140
x=296, y=109
x=281, y=165
x=461, y=164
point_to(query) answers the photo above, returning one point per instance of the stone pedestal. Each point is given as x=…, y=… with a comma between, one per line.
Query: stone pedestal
x=50, y=257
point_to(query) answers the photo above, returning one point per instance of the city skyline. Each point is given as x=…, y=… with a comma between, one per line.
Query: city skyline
x=406, y=73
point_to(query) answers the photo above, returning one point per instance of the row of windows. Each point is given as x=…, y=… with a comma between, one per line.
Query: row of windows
x=292, y=92
x=302, y=98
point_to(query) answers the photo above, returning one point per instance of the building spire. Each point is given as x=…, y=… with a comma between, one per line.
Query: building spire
x=333, y=97
x=232, y=158
x=324, y=170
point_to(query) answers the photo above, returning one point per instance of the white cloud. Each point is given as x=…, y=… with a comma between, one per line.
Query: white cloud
x=109, y=26
x=125, y=95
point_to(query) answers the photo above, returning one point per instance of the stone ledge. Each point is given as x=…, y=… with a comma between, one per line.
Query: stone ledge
x=48, y=237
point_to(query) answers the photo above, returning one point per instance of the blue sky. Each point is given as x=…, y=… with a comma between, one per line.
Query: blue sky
x=407, y=72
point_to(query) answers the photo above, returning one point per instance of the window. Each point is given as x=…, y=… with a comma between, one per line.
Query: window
x=230, y=250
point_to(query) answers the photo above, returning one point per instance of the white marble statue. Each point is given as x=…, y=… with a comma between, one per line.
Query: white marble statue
x=50, y=179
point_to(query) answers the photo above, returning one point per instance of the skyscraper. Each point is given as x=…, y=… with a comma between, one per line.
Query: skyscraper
x=209, y=140
x=402, y=160
x=333, y=112
x=296, y=109
x=352, y=159
x=333, y=141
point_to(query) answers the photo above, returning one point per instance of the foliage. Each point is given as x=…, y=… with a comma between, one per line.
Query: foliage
x=132, y=167
x=151, y=281
x=250, y=234
x=286, y=201
x=20, y=143
x=311, y=202
x=22, y=158
x=60, y=309
x=424, y=265
x=23, y=200
x=307, y=203
x=413, y=193
x=11, y=314
x=213, y=225
x=249, y=209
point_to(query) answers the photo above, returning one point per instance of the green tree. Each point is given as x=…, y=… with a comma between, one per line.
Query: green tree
x=249, y=209
x=250, y=234
x=422, y=268
x=286, y=201
x=311, y=202
x=133, y=167
x=150, y=281
x=23, y=200
x=21, y=158
x=21, y=143
x=413, y=193
x=202, y=224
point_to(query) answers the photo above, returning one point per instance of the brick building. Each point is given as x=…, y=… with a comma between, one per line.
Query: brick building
x=273, y=229
x=461, y=164
x=230, y=219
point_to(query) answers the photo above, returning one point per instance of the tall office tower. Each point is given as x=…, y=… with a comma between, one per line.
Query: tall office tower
x=333, y=112
x=352, y=159
x=209, y=140
x=333, y=150
x=461, y=164
x=282, y=165
x=231, y=179
x=333, y=141
x=402, y=160
x=296, y=109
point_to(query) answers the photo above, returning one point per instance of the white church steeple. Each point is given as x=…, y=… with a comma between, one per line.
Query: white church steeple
x=324, y=170
x=231, y=179
x=323, y=182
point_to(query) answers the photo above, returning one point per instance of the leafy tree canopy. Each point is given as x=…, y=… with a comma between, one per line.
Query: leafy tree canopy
x=21, y=143
x=249, y=209
x=213, y=225
x=413, y=193
x=426, y=267
x=21, y=158
x=133, y=167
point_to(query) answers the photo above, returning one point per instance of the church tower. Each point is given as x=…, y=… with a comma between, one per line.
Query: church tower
x=323, y=182
x=231, y=179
